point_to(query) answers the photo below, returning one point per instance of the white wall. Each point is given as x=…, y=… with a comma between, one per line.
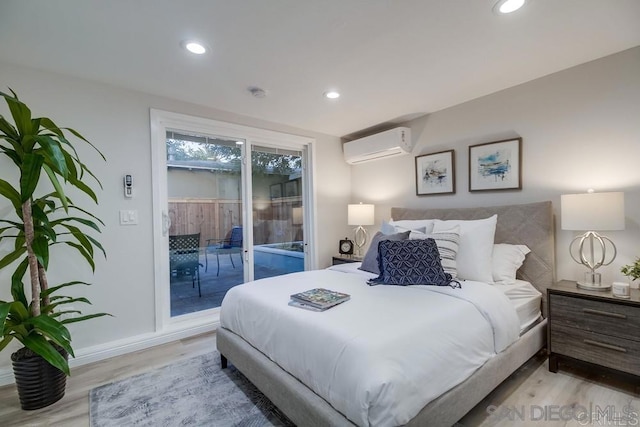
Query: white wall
x=580, y=130
x=117, y=122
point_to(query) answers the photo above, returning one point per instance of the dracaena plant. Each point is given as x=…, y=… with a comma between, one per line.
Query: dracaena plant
x=43, y=216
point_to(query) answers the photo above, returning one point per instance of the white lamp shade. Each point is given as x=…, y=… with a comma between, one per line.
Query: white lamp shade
x=592, y=211
x=296, y=215
x=360, y=214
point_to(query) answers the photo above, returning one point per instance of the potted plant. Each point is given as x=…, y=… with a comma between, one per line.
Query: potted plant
x=41, y=217
x=632, y=271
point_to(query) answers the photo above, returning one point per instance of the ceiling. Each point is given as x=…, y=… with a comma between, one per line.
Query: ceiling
x=390, y=59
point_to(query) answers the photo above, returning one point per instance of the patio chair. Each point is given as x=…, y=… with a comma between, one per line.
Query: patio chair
x=184, y=256
x=232, y=244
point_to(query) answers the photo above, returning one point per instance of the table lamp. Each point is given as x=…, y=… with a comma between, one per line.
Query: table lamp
x=296, y=224
x=592, y=212
x=296, y=215
x=360, y=214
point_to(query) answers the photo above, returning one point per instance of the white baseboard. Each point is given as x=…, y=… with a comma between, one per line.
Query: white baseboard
x=124, y=346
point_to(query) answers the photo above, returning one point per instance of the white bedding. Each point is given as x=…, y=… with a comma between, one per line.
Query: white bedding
x=524, y=297
x=383, y=355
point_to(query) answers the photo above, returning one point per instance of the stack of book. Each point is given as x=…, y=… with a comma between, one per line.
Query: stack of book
x=318, y=299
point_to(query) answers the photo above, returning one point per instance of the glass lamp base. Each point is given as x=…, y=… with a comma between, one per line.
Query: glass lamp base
x=360, y=238
x=590, y=287
x=592, y=282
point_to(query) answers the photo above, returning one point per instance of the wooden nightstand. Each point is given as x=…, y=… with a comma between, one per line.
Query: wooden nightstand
x=594, y=327
x=344, y=259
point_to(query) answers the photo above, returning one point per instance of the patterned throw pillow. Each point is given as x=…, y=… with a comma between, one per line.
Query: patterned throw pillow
x=370, y=260
x=411, y=262
x=448, y=242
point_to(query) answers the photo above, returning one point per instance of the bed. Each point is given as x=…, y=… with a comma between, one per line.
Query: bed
x=298, y=394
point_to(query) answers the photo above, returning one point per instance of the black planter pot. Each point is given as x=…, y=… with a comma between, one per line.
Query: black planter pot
x=39, y=384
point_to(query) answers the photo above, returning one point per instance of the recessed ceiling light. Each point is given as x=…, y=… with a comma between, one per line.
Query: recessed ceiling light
x=508, y=6
x=195, y=47
x=332, y=94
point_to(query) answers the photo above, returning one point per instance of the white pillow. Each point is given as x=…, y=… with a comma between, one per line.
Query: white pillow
x=507, y=259
x=393, y=227
x=448, y=242
x=475, y=254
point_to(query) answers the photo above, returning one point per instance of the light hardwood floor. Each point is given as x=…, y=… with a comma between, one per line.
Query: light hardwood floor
x=73, y=409
x=532, y=394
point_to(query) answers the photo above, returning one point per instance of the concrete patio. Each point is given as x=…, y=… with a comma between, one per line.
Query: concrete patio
x=184, y=297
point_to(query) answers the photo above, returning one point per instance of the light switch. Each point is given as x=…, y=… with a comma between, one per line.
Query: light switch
x=128, y=217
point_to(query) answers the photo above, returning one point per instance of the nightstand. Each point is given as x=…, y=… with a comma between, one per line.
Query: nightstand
x=594, y=327
x=344, y=259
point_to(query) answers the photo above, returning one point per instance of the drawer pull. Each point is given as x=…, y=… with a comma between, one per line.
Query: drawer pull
x=604, y=313
x=604, y=345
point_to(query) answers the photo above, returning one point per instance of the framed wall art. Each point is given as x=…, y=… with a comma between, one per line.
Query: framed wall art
x=291, y=188
x=496, y=165
x=275, y=191
x=435, y=173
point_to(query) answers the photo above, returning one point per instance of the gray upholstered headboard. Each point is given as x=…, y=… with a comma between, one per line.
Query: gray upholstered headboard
x=530, y=224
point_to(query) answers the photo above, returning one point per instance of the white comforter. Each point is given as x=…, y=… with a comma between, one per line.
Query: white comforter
x=381, y=356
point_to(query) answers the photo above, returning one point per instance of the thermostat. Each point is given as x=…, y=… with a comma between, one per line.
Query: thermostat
x=128, y=186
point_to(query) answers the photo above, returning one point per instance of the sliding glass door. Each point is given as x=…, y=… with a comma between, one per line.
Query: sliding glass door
x=278, y=216
x=204, y=192
x=232, y=205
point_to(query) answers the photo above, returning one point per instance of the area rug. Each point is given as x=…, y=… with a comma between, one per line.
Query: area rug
x=192, y=392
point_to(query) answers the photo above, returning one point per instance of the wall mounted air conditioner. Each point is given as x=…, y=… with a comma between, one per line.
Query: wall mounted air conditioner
x=390, y=143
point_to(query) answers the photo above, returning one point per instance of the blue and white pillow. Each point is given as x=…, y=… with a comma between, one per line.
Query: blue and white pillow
x=411, y=262
x=448, y=242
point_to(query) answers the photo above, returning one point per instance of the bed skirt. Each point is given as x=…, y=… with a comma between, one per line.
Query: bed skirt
x=306, y=408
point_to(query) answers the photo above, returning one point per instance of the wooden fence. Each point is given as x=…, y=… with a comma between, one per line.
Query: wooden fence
x=214, y=218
